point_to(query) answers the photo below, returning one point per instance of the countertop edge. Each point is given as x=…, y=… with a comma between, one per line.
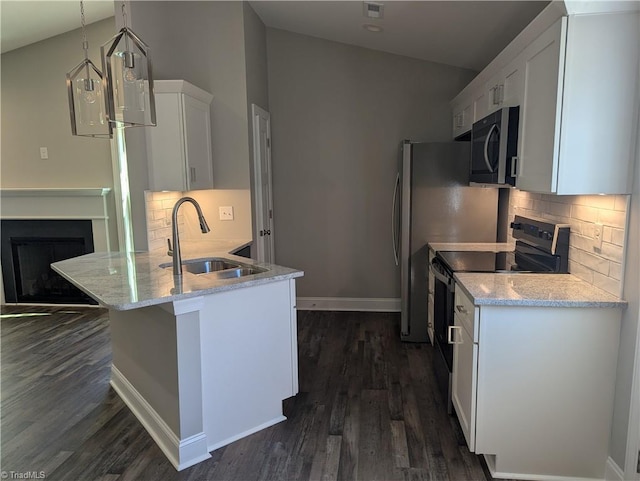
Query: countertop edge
x=204, y=292
x=228, y=285
x=533, y=302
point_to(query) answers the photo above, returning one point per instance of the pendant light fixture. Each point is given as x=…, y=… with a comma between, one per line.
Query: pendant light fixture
x=126, y=62
x=86, y=90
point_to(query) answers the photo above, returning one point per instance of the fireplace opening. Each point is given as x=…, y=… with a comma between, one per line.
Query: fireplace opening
x=28, y=247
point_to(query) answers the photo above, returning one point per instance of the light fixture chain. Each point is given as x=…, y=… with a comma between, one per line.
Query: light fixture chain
x=124, y=21
x=85, y=43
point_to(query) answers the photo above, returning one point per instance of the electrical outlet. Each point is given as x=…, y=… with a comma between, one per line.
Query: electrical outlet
x=597, y=236
x=44, y=153
x=226, y=212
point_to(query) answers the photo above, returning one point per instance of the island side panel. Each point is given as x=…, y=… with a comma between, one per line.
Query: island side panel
x=145, y=353
x=248, y=360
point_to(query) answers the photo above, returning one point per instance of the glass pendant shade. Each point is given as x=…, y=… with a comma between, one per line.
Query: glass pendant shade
x=126, y=64
x=87, y=107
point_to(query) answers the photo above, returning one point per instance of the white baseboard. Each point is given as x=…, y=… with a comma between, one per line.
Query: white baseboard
x=388, y=304
x=231, y=439
x=182, y=453
x=613, y=472
x=490, y=459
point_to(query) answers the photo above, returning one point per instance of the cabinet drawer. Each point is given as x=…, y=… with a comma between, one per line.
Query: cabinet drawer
x=466, y=312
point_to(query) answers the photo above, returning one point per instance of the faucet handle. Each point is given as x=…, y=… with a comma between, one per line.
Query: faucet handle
x=170, y=251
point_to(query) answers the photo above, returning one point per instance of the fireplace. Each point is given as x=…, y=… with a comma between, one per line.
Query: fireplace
x=28, y=247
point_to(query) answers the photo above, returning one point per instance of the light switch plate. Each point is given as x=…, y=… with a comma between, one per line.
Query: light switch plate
x=226, y=212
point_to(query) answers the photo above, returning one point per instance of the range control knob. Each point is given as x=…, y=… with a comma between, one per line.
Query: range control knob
x=545, y=235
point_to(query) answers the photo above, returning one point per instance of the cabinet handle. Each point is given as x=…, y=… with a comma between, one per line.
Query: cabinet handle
x=514, y=163
x=500, y=93
x=192, y=173
x=450, y=335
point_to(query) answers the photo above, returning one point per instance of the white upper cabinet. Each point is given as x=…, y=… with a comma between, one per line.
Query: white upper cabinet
x=179, y=147
x=462, y=116
x=575, y=78
x=580, y=106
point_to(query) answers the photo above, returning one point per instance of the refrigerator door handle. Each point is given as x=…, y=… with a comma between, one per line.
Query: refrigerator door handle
x=394, y=222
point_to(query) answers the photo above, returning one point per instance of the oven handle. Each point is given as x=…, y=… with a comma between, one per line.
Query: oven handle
x=450, y=339
x=448, y=281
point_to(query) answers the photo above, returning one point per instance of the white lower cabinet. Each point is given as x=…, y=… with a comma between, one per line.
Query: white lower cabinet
x=533, y=387
x=463, y=392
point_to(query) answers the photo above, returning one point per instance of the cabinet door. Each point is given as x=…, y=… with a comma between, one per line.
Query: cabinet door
x=542, y=106
x=462, y=118
x=480, y=105
x=165, y=146
x=495, y=90
x=512, y=84
x=197, y=135
x=464, y=381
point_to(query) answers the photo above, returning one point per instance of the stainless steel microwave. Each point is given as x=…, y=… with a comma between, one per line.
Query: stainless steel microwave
x=494, y=147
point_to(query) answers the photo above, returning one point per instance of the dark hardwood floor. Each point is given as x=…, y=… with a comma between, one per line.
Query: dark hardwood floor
x=368, y=408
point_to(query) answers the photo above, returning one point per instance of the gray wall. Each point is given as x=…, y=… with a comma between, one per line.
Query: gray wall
x=255, y=39
x=35, y=113
x=203, y=43
x=338, y=115
x=630, y=328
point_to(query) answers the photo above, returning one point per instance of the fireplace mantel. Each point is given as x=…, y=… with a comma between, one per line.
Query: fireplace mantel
x=61, y=203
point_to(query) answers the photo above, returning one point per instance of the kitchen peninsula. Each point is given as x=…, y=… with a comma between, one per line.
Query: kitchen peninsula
x=200, y=360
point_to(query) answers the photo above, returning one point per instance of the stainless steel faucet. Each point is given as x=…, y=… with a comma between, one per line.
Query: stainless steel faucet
x=177, y=258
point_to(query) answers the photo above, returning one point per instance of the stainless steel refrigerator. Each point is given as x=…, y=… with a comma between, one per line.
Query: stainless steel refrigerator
x=433, y=203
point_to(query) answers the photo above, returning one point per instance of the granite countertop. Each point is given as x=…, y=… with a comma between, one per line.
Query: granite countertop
x=471, y=246
x=544, y=290
x=124, y=281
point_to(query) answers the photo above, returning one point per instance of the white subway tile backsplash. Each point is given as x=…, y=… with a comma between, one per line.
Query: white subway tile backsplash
x=612, y=252
x=581, y=242
x=594, y=262
x=615, y=271
x=612, y=286
x=612, y=218
x=557, y=209
x=159, y=208
x=603, y=267
x=622, y=203
x=617, y=237
x=581, y=271
x=583, y=212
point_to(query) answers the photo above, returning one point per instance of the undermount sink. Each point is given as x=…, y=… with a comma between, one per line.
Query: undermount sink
x=218, y=267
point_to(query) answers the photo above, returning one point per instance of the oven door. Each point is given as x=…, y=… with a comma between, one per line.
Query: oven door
x=443, y=300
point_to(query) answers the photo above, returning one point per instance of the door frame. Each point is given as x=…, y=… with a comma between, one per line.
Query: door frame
x=259, y=221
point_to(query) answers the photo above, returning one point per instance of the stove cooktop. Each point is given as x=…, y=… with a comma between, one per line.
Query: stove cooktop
x=479, y=261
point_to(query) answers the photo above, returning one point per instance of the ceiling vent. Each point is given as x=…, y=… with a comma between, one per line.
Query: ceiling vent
x=373, y=9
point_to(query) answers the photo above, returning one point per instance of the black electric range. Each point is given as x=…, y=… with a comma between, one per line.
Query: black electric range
x=541, y=247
